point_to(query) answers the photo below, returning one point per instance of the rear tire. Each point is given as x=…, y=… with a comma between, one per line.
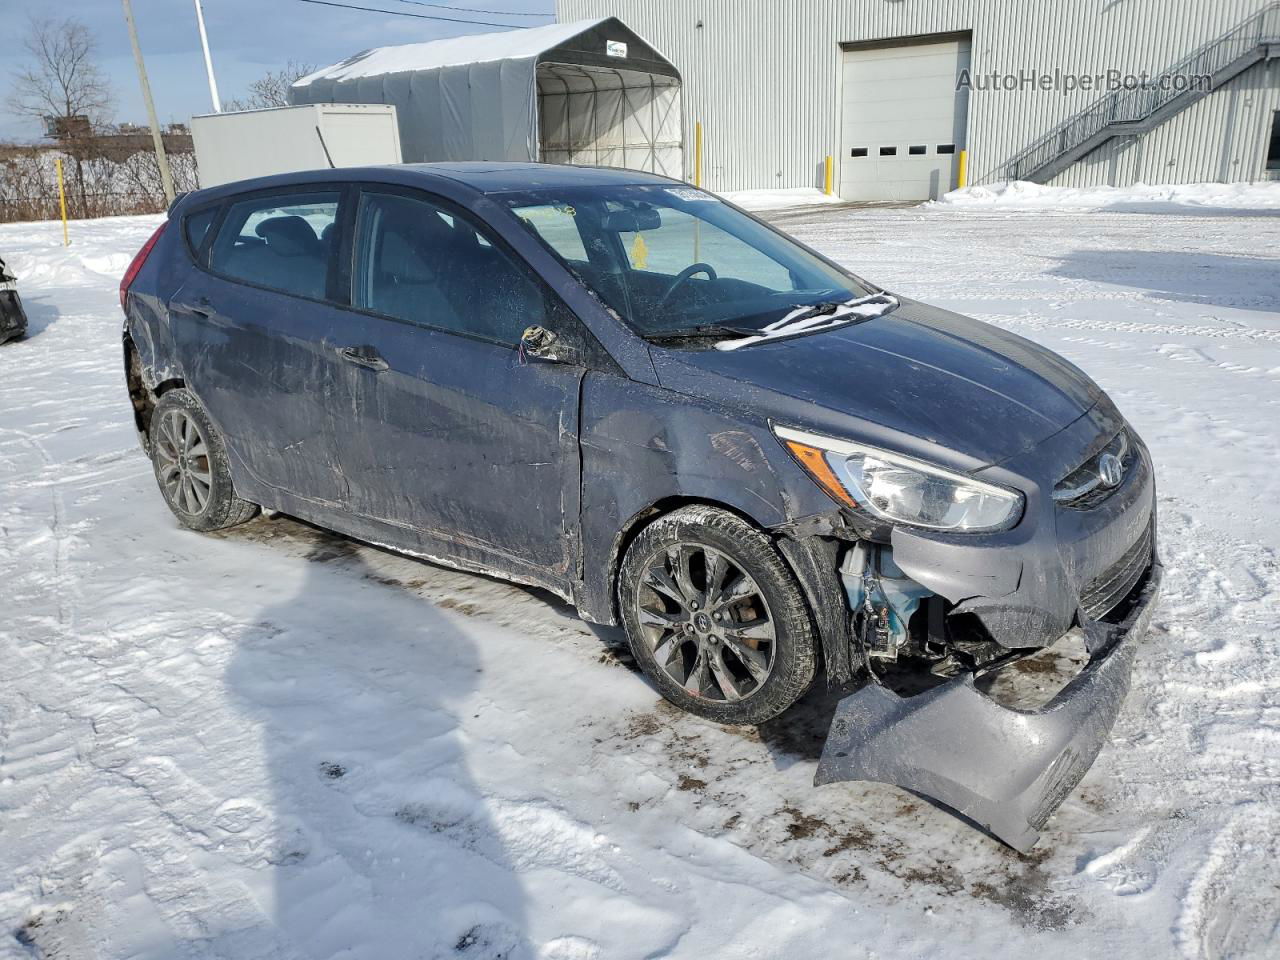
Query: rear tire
x=190, y=463
x=715, y=617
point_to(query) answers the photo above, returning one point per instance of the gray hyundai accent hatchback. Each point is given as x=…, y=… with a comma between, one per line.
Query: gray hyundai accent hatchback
x=637, y=396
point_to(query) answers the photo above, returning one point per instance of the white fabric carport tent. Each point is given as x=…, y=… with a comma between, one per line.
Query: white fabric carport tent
x=586, y=92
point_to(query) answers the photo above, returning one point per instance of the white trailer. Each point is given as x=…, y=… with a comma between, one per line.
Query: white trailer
x=256, y=143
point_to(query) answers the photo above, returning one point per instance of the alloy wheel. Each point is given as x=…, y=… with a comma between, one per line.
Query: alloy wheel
x=183, y=462
x=706, y=622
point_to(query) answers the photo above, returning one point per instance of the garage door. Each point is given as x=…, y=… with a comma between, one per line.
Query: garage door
x=903, y=120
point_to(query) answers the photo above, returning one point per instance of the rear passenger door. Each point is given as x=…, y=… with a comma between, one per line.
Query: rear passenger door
x=448, y=433
x=253, y=328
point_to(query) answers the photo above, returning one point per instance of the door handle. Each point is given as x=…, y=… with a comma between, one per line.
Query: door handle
x=364, y=357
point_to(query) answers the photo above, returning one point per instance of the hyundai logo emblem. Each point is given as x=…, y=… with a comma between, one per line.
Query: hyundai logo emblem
x=1110, y=470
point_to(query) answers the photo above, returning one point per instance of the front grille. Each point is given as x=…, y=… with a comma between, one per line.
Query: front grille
x=1083, y=488
x=1105, y=591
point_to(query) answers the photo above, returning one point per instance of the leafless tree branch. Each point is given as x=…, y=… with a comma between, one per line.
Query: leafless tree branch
x=272, y=88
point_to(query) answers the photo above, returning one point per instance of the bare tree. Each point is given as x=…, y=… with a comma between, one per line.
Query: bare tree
x=61, y=80
x=272, y=88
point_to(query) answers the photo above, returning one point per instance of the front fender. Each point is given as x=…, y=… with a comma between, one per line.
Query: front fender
x=642, y=445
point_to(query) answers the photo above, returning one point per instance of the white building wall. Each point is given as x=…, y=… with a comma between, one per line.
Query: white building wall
x=763, y=78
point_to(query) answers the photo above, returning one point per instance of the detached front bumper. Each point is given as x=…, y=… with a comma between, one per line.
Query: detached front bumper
x=1008, y=770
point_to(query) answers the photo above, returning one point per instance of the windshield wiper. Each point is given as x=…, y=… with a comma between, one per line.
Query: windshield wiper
x=816, y=317
x=804, y=311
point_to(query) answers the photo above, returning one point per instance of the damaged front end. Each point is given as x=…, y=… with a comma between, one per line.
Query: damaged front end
x=1005, y=768
x=958, y=635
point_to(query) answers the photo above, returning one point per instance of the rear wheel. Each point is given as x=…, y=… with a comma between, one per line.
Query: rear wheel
x=191, y=467
x=715, y=618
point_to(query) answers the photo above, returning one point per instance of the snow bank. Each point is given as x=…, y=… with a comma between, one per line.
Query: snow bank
x=779, y=199
x=42, y=261
x=1021, y=195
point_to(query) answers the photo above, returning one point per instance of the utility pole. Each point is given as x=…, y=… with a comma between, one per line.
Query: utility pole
x=208, y=60
x=157, y=140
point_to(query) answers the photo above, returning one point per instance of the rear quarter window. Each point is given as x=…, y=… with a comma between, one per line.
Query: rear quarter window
x=196, y=226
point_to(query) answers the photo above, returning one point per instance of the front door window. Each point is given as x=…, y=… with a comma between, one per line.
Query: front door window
x=416, y=261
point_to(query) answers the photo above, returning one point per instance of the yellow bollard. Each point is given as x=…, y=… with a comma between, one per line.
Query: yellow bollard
x=962, y=175
x=827, y=175
x=62, y=203
x=697, y=154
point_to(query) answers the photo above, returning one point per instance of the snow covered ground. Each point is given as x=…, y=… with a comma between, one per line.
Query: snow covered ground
x=275, y=743
x=1241, y=198
x=783, y=199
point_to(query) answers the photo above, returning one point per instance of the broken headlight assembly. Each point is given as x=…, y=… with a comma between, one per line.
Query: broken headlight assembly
x=902, y=490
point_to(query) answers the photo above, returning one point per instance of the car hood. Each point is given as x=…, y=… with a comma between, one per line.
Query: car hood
x=932, y=374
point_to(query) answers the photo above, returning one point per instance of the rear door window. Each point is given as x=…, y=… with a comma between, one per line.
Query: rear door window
x=420, y=262
x=283, y=242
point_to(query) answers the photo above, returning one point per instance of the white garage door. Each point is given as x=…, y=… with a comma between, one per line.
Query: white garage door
x=903, y=120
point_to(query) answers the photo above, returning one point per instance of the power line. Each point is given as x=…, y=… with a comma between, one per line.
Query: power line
x=405, y=13
x=450, y=6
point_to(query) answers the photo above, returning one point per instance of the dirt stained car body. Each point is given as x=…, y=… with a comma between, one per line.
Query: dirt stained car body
x=545, y=457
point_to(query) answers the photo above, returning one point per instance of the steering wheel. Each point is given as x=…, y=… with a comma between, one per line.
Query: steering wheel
x=685, y=274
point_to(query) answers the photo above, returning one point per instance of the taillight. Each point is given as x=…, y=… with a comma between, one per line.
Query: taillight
x=138, y=261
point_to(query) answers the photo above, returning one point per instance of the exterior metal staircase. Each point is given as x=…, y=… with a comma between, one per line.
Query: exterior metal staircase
x=1127, y=113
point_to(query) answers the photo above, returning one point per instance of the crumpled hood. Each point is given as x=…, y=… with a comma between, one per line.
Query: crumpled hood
x=927, y=372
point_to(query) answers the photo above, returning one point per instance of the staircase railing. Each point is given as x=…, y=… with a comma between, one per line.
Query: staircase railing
x=1135, y=105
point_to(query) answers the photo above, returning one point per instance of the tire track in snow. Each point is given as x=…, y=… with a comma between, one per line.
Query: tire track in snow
x=64, y=587
x=1231, y=908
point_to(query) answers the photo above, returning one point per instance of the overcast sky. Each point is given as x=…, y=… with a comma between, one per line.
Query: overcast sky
x=247, y=38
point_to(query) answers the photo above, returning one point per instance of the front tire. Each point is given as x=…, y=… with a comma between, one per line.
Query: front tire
x=715, y=617
x=190, y=462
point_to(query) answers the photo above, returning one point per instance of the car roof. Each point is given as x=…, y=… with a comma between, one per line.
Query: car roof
x=500, y=177
x=483, y=177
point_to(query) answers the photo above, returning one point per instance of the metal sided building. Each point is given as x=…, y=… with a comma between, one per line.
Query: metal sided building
x=1066, y=92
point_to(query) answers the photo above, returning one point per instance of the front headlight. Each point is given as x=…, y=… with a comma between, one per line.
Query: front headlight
x=900, y=489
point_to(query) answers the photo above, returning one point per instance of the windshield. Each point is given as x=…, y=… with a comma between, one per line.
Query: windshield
x=674, y=261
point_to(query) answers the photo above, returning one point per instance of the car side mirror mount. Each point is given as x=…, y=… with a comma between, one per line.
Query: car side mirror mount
x=543, y=344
